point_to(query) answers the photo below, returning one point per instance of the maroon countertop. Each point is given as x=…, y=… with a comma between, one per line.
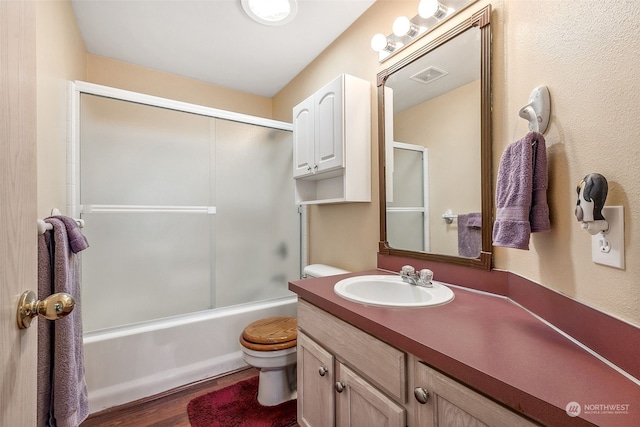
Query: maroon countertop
x=496, y=347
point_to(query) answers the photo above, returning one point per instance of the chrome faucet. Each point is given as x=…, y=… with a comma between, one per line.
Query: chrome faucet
x=421, y=278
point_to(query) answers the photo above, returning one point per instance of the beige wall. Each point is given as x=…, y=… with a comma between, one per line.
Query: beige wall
x=109, y=72
x=451, y=124
x=585, y=52
x=60, y=57
x=585, y=55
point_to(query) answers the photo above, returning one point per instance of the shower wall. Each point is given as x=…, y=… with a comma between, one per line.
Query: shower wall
x=184, y=211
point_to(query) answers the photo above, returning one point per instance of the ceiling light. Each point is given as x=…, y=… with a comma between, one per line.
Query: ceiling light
x=271, y=12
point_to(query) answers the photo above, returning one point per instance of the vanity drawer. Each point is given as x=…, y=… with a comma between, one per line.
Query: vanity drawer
x=382, y=364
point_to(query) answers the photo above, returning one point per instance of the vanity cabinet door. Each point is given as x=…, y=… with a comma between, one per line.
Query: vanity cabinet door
x=449, y=403
x=359, y=404
x=316, y=378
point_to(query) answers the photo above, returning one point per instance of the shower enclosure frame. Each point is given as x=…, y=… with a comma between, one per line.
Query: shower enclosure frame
x=114, y=350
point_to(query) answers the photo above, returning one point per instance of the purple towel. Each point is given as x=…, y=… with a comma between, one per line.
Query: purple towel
x=521, y=193
x=77, y=241
x=470, y=234
x=62, y=392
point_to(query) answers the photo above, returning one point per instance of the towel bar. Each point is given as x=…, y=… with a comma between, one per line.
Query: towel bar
x=43, y=226
x=449, y=216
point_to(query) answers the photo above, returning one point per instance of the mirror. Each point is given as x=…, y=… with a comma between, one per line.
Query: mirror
x=435, y=149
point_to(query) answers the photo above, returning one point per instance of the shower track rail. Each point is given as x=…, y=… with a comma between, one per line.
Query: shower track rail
x=87, y=209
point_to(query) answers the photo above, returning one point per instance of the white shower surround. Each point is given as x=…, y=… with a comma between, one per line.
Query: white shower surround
x=132, y=362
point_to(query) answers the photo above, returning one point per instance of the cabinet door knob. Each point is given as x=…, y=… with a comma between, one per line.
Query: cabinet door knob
x=322, y=371
x=340, y=387
x=421, y=395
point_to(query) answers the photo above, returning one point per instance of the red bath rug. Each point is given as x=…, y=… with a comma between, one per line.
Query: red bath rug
x=237, y=405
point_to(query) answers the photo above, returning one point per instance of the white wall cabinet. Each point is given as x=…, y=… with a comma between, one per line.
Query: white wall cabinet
x=347, y=377
x=332, y=143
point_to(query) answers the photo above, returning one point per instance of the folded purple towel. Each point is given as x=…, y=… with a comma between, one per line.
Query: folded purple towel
x=521, y=193
x=474, y=220
x=77, y=241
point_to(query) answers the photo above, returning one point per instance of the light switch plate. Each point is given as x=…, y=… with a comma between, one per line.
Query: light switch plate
x=608, y=248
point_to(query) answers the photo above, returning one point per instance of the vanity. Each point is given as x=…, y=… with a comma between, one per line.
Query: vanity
x=478, y=360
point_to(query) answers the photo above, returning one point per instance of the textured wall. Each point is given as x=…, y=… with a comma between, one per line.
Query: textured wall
x=586, y=53
x=60, y=56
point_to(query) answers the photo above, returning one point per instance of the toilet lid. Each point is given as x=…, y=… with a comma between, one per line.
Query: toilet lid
x=272, y=330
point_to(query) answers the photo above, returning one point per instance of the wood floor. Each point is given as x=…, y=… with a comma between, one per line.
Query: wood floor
x=166, y=410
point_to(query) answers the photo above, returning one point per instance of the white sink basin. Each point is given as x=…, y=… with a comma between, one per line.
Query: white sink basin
x=391, y=291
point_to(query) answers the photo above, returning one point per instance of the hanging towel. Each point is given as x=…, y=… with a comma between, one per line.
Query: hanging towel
x=521, y=193
x=62, y=391
x=470, y=234
x=77, y=241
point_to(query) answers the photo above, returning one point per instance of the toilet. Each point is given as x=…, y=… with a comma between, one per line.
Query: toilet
x=270, y=346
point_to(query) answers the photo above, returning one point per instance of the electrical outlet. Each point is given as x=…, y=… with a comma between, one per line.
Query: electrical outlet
x=608, y=248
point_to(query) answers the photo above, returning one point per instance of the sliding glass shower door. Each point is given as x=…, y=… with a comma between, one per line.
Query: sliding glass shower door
x=184, y=212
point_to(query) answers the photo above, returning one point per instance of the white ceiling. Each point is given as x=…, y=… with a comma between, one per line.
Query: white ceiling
x=214, y=40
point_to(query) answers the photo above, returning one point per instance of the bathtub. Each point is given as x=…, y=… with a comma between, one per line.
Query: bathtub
x=134, y=362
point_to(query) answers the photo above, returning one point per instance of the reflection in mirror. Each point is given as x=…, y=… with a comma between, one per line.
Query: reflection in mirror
x=436, y=137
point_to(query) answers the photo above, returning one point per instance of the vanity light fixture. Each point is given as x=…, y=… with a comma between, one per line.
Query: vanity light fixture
x=431, y=13
x=271, y=12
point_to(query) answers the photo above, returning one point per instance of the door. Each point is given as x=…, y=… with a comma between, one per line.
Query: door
x=409, y=204
x=315, y=384
x=359, y=404
x=18, y=250
x=329, y=129
x=303, y=138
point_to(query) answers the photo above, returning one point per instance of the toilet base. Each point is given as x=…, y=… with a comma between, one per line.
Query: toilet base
x=276, y=386
x=277, y=380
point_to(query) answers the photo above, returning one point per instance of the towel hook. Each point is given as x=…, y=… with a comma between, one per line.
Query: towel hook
x=538, y=110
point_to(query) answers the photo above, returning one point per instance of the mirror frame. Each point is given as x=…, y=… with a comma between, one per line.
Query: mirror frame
x=482, y=20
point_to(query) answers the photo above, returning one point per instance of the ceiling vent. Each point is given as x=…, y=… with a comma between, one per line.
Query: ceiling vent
x=428, y=75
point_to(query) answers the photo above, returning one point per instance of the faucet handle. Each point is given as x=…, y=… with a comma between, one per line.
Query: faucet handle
x=407, y=270
x=426, y=276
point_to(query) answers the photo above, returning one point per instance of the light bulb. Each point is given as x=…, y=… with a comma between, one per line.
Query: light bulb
x=429, y=8
x=379, y=42
x=401, y=26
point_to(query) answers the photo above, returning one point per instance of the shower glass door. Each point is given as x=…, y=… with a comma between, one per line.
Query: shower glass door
x=183, y=212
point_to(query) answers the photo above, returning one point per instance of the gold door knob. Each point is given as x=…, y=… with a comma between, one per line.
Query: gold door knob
x=52, y=307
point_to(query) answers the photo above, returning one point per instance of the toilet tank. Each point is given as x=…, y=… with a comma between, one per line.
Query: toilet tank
x=322, y=270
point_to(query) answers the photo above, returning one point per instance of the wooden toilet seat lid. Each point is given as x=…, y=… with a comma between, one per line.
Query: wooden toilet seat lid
x=272, y=330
